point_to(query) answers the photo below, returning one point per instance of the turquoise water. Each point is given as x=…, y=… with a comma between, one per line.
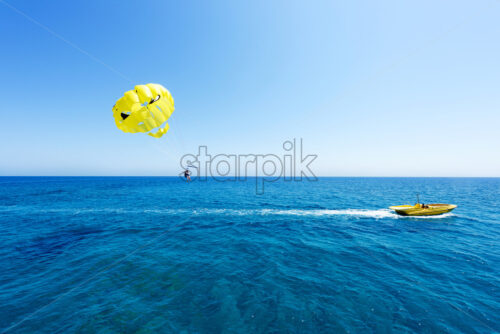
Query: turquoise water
x=142, y=255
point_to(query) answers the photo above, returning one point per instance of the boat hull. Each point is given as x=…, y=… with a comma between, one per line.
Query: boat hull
x=418, y=210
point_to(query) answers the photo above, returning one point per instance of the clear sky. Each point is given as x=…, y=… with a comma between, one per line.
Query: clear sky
x=374, y=88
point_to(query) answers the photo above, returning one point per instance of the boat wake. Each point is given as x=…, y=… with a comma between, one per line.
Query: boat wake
x=361, y=213
x=382, y=213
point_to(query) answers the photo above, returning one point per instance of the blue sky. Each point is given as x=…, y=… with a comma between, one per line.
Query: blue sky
x=385, y=88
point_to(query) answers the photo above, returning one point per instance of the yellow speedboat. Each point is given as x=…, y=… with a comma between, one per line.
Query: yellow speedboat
x=422, y=209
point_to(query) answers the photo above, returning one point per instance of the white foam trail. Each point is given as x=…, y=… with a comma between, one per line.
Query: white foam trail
x=382, y=213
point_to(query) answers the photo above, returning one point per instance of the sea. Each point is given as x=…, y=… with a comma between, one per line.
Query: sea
x=161, y=255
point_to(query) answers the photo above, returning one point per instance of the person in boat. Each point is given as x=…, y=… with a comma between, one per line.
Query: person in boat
x=187, y=175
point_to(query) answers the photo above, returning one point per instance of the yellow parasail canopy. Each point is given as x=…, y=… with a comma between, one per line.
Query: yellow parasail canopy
x=144, y=109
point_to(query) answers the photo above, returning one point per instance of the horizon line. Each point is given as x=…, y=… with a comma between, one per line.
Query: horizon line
x=220, y=177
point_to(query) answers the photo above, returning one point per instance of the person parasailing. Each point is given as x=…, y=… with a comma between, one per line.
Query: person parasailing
x=187, y=175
